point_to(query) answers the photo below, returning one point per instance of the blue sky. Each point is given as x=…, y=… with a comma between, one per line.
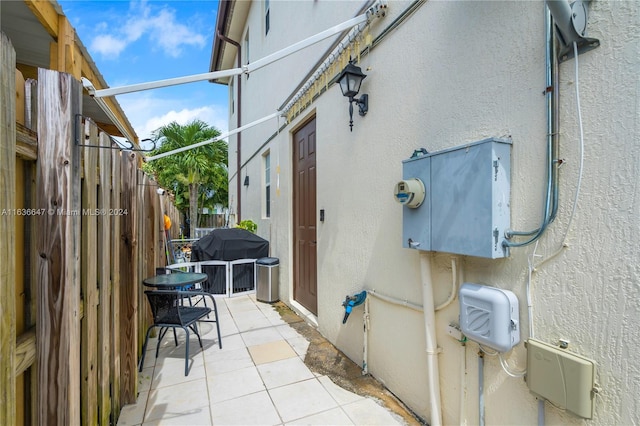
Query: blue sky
x=139, y=41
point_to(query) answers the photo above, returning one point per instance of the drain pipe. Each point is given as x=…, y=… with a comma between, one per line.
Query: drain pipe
x=433, y=373
x=238, y=122
x=480, y=388
x=365, y=348
x=367, y=324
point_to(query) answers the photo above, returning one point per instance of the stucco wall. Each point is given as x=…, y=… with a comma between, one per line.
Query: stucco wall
x=458, y=72
x=265, y=90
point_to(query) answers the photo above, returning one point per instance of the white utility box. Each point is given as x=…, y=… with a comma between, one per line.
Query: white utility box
x=563, y=378
x=489, y=316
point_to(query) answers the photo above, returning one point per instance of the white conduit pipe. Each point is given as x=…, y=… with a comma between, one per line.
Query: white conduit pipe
x=480, y=388
x=433, y=372
x=463, y=382
x=433, y=379
x=367, y=325
x=394, y=301
x=454, y=284
x=365, y=349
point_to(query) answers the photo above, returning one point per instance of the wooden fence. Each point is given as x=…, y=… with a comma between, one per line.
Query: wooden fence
x=80, y=227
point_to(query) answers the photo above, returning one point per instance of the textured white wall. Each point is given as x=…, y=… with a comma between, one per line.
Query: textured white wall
x=458, y=72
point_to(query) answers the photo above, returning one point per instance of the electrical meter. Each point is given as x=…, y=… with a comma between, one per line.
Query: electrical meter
x=410, y=192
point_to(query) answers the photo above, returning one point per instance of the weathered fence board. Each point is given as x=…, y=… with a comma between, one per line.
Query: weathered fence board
x=7, y=232
x=58, y=276
x=25, y=351
x=116, y=241
x=104, y=281
x=144, y=216
x=128, y=281
x=89, y=260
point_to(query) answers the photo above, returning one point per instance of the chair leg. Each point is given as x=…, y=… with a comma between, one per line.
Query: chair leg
x=186, y=353
x=194, y=327
x=163, y=331
x=215, y=311
x=144, y=348
x=204, y=300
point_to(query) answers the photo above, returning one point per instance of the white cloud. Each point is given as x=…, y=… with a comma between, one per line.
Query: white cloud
x=171, y=35
x=147, y=113
x=208, y=114
x=161, y=27
x=107, y=45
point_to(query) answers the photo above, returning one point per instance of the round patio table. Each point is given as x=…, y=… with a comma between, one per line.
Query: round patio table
x=173, y=281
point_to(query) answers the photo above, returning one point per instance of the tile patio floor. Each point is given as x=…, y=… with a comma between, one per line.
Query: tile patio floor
x=257, y=378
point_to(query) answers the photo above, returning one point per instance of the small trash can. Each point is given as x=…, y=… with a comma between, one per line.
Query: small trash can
x=268, y=283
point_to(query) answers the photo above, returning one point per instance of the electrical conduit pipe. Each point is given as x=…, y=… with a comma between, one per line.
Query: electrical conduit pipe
x=428, y=309
x=433, y=373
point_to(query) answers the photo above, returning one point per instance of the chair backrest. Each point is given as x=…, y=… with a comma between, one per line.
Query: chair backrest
x=164, y=306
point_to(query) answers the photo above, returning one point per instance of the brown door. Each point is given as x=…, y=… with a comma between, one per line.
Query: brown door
x=304, y=217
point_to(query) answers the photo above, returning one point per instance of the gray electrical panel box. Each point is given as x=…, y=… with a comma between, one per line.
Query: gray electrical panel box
x=467, y=203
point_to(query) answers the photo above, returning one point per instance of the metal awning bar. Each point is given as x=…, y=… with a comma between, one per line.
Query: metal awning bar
x=161, y=83
x=208, y=141
x=307, y=42
x=104, y=107
x=245, y=69
x=375, y=10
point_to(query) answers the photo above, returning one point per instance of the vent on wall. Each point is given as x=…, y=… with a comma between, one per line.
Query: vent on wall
x=489, y=316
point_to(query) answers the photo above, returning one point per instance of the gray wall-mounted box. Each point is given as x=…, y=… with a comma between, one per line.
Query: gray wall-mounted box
x=467, y=204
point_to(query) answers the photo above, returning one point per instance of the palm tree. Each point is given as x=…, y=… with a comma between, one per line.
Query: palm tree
x=190, y=173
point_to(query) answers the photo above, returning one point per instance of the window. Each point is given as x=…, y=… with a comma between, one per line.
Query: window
x=266, y=17
x=267, y=184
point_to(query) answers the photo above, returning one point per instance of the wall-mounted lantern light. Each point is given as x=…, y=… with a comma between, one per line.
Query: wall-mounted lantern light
x=246, y=180
x=350, y=79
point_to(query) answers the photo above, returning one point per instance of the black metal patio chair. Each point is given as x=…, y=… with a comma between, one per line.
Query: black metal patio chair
x=204, y=289
x=168, y=312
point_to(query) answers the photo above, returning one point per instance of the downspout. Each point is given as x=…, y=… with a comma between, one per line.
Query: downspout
x=433, y=379
x=238, y=123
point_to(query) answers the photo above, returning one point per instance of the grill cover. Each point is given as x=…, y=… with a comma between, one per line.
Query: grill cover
x=229, y=244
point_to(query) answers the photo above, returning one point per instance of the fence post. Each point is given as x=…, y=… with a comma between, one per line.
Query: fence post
x=105, y=237
x=116, y=243
x=58, y=248
x=129, y=282
x=7, y=231
x=89, y=274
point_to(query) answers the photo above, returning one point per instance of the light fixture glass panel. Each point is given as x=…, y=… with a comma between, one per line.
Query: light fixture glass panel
x=344, y=86
x=354, y=83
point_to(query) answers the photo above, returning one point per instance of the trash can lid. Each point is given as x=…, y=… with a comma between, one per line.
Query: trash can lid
x=268, y=261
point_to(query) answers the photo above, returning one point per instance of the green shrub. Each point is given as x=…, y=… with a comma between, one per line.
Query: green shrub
x=247, y=224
